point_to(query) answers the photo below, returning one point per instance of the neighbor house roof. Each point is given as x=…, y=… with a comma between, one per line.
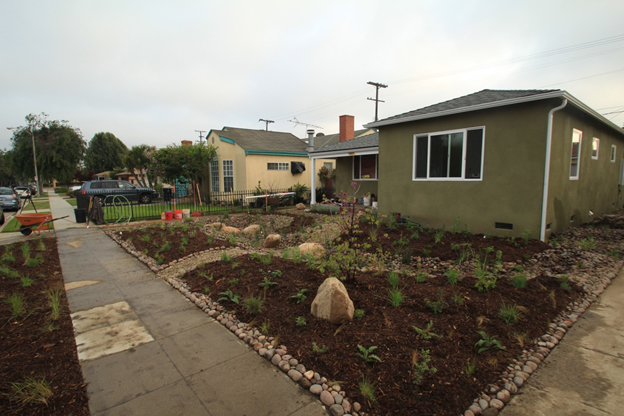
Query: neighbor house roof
x=368, y=143
x=488, y=99
x=325, y=140
x=262, y=141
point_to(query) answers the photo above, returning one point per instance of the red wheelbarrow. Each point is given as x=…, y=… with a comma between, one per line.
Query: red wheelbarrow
x=35, y=222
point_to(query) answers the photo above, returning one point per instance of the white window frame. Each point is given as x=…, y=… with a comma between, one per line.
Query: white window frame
x=214, y=175
x=463, y=167
x=360, y=170
x=226, y=170
x=595, y=148
x=278, y=165
x=579, y=134
x=613, y=153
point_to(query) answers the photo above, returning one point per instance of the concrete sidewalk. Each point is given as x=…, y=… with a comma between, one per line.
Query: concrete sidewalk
x=584, y=375
x=146, y=350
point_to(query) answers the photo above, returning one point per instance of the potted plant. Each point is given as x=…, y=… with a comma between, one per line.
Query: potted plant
x=366, y=199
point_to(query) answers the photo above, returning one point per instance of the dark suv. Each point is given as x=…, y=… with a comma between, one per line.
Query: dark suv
x=107, y=189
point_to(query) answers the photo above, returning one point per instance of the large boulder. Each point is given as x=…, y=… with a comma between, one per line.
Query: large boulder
x=252, y=229
x=332, y=302
x=272, y=241
x=300, y=206
x=314, y=248
x=230, y=230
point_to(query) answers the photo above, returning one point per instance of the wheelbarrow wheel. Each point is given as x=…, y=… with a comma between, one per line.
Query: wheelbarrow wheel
x=26, y=230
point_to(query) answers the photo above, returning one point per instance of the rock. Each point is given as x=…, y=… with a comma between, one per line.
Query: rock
x=300, y=206
x=284, y=366
x=332, y=302
x=309, y=374
x=252, y=229
x=215, y=225
x=294, y=375
x=469, y=413
x=313, y=248
x=518, y=381
x=356, y=406
x=230, y=230
x=272, y=241
x=305, y=383
x=316, y=389
x=504, y=396
x=276, y=359
x=346, y=405
x=326, y=398
x=497, y=404
x=483, y=404
x=475, y=408
x=336, y=410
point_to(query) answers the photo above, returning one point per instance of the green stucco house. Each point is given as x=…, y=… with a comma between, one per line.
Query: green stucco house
x=503, y=161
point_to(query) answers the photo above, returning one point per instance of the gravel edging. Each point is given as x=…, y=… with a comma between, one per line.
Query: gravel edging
x=491, y=400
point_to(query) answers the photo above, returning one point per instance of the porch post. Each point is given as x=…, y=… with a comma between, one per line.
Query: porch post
x=313, y=180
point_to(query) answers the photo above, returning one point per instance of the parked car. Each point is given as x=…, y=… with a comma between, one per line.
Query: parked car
x=9, y=199
x=107, y=189
x=22, y=191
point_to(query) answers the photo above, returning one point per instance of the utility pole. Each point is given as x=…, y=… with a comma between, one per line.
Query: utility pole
x=267, y=123
x=377, y=85
x=200, y=135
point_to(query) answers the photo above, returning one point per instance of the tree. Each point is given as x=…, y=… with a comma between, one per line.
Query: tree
x=6, y=173
x=138, y=162
x=191, y=162
x=59, y=148
x=105, y=152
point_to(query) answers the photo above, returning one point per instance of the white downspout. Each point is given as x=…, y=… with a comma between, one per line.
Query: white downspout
x=547, y=168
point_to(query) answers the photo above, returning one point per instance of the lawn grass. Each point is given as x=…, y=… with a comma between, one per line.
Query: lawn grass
x=72, y=202
x=39, y=204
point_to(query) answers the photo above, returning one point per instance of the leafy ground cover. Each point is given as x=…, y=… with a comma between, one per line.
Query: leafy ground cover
x=40, y=373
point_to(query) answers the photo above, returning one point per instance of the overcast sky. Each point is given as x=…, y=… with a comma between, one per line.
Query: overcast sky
x=155, y=71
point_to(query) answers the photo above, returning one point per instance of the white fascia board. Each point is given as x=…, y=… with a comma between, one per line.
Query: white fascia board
x=345, y=153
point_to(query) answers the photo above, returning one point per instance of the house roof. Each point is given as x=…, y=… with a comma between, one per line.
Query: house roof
x=488, y=99
x=363, y=142
x=262, y=140
x=325, y=140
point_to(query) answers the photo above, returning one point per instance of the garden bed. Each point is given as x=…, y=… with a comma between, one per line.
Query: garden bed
x=37, y=346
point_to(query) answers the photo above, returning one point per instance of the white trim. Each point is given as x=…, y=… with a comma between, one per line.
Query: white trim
x=346, y=153
x=578, y=158
x=464, y=149
x=613, y=153
x=595, y=140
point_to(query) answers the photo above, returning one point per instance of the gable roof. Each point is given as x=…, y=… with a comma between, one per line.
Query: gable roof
x=489, y=99
x=368, y=141
x=262, y=140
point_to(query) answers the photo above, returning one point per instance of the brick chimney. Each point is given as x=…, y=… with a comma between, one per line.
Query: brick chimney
x=346, y=128
x=187, y=142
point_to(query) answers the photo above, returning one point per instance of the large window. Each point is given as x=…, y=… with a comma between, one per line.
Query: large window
x=577, y=138
x=453, y=155
x=277, y=166
x=228, y=175
x=214, y=174
x=365, y=167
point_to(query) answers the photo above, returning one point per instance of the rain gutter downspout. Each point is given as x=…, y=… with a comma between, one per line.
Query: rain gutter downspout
x=547, y=168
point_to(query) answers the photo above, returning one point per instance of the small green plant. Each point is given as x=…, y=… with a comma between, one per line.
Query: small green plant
x=267, y=283
x=31, y=390
x=367, y=389
x=367, y=355
x=426, y=252
x=159, y=259
x=225, y=257
x=253, y=305
x=519, y=281
x=146, y=238
x=27, y=281
x=526, y=236
x=276, y=273
x=300, y=296
x=588, y=243
x=458, y=299
x=7, y=257
x=265, y=327
x=487, y=343
x=54, y=298
x=395, y=297
x=359, y=313
x=319, y=350
x=209, y=240
x=26, y=250
x=470, y=367
x=510, y=314
x=456, y=225
x=231, y=239
x=393, y=279
x=229, y=296
x=300, y=321
x=439, y=235
x=438, y=306
x=452, y=276
x=564, y=282
x=33, y=262
x=420, y=363
x=392, y=223
x=421, y=276
x=401, y=242
x=614, y=254
x=207, y=290
x=266, y=259
x=18, y=305
x=233, y=282
x=426, y=333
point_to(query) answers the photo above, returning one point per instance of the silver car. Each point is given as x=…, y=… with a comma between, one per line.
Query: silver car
x=9, y=199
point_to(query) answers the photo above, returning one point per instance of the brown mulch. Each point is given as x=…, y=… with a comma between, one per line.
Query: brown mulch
x=447, y=392
x=29, y=347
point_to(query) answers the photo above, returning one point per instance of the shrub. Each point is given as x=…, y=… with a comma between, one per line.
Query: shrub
x=367, y=355
x=421, y=366
x=519, y=281
x=510, y=314
x=487, y=343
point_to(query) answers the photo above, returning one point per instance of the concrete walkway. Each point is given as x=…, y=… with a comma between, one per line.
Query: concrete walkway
x=584, y=375
x=146, y=350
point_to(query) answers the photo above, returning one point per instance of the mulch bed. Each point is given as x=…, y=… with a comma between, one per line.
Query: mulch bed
x=34, y=345
x=450, y=390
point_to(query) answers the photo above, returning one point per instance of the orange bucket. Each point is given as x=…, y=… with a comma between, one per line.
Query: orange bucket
x=178, y=214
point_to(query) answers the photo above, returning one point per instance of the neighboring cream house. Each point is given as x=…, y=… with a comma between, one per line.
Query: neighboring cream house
x=245, y=157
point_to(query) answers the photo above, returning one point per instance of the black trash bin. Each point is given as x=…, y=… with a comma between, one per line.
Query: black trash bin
x=167, y=194
x=81, y=215
x=82, y=201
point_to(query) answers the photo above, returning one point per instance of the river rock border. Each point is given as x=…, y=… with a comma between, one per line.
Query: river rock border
x=490, y=401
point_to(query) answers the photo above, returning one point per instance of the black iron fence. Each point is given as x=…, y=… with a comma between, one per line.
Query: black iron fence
x=120, y=209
